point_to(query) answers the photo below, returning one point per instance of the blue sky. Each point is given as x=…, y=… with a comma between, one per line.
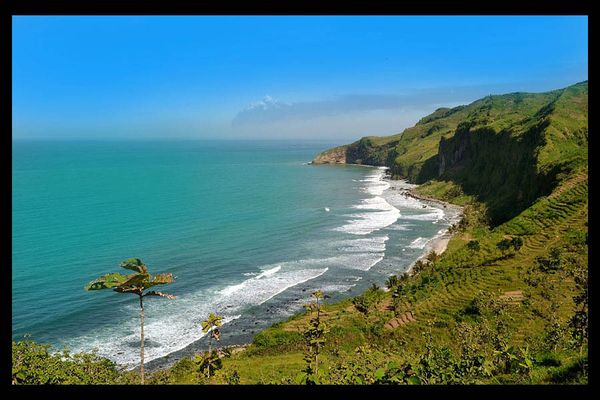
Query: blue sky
x=283, y=77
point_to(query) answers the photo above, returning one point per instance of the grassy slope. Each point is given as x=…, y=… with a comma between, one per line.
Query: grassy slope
x=442, y=293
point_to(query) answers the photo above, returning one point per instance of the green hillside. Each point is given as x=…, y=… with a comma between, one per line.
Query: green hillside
x=507, y=302
x=542, y=138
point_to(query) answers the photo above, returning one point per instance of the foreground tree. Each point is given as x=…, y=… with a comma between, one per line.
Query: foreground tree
x=314, y=336
x=211, y=325
x=136, y=283
x=392, y=282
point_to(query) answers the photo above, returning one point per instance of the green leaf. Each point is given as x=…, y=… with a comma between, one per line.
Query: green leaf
x=160, y=294
x=212, y=321
x=108, y=281
x=162, y=279
x=301, y=377
x=413, y=380
x=379, y=374
x=141, y=280
x=135, y=264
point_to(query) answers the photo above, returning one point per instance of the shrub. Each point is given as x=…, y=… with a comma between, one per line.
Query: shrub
x=473, y=245
x=392, y=282
x=275, y=338
x=551, y=263
x=33, y=363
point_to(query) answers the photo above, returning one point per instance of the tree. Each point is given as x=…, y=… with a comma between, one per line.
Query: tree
x=392, y=282
x=433, y=257
x=503, y=246
x=551, y=263
x=418, y=267
x=36, y=364
x=315, y=340
x=211, y=324
x=473, y=245
x=136, y=283
x=516, y=243
x=362, y=304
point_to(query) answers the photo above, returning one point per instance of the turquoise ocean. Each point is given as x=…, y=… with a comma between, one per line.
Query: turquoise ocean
x=249, y=229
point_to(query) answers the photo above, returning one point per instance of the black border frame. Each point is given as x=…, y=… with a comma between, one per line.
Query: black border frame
x=270, y=7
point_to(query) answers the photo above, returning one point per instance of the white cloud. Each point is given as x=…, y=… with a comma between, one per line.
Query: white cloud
x=343, y=117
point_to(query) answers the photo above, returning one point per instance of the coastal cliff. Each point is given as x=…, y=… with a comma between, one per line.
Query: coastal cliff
x=505, y=150
x=337, y=155
x=365, y=151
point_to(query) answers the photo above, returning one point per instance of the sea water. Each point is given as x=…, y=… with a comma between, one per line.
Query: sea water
x=249, y=229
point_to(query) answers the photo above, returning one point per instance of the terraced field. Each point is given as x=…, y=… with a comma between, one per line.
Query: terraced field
x=547, y=222
x=437, y=297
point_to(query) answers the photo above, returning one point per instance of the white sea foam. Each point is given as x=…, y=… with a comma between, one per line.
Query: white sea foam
x=374, y=203
x=376, y=187
x=350, y=260
x=268, y=272
x=400, y=227
x=419, y=243
x=336, y=288
x=435, y=215
x=306, y=274
x=361, y=261
x=408, y=201
x=365, y=223
x=171, y=326
x=382, y=213
x=374, y=244
x=232, y=289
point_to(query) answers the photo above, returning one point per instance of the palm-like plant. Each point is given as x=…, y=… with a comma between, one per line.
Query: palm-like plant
x=136, y=283
x=211, y=324
x=315, y=340
x=392, y=282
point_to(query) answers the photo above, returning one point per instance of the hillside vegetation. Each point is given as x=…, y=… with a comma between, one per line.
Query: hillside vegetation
x=506, y=303
x=506, y=151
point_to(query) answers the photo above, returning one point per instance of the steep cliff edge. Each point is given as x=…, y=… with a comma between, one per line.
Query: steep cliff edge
x=337, y=155
x=505, y=150
x=365, y=151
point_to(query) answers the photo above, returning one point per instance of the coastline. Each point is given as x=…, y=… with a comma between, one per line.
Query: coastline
x=437, y=243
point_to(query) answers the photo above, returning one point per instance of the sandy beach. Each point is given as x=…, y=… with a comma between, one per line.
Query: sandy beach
x=438, y=244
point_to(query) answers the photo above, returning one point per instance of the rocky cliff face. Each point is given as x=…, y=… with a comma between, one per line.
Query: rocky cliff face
x=336, y=155
x=454, y=150
x=363, y=151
